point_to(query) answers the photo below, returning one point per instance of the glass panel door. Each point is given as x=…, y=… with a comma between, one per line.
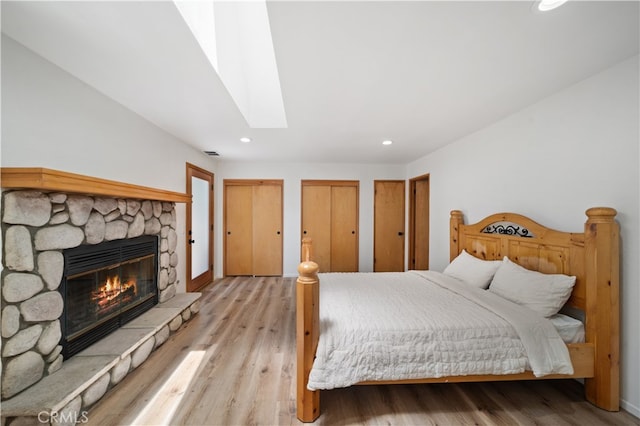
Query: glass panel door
x=199, y=227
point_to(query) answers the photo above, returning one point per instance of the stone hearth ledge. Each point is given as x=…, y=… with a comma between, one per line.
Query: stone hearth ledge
x=54, y=392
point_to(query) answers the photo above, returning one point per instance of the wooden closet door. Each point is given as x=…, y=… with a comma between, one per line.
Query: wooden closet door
x=388, y=225
x=344, y=229
x=316, y=223
x=239, y=230
x=267, y=230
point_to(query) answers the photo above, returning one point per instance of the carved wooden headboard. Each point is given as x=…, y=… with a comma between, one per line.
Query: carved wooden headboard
x=543, y=249
x=526, y=243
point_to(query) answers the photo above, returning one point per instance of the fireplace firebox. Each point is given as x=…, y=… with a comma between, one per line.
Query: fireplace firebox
x=104, y=286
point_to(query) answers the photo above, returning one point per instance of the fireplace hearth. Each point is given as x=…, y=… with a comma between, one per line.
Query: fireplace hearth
x=104, y=286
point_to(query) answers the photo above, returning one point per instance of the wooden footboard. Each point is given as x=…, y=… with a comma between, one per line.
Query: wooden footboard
x=592, y=256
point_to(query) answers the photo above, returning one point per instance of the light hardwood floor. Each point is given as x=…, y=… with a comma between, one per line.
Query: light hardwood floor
x=234, y=364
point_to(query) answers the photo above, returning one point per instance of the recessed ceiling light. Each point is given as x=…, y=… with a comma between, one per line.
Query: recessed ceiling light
x=387, y=142
x=546, y=5
x=245, y=140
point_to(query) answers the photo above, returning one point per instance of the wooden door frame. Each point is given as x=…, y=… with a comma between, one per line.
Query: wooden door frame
x=246, y=182
x=412, y=216
x=195, y=171
x=404, y=188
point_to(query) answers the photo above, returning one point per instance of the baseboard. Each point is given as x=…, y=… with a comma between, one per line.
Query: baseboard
x=630, y=408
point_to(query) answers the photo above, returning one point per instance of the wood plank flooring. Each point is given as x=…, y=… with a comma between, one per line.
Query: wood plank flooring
x=234, y=364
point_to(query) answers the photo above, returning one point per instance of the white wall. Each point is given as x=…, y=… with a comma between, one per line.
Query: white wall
x=51, y=119
x=292, y=174
x=574, y=150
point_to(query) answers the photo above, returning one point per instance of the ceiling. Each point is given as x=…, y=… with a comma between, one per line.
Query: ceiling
x=352, y=74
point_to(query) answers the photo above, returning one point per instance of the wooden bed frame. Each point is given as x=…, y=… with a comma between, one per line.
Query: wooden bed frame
x=592, y=256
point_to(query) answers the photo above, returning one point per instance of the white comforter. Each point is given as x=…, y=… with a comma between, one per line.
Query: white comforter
x=419, y=324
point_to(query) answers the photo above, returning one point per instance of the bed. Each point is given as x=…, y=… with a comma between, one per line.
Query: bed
x=504, y=239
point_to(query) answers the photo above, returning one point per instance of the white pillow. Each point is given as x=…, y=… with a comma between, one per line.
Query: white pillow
x=473, y=271
x=543, y=293
x=570, y=329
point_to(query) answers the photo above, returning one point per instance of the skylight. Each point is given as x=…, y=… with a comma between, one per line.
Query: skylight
x=236, y=38
x=200, y=19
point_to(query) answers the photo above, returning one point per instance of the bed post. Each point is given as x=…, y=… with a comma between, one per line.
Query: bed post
x=307, y=333
x=602, y=240
x=455, y=221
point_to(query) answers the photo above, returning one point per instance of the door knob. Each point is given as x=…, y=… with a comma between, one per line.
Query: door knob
x=401, y=233
x=192, y=241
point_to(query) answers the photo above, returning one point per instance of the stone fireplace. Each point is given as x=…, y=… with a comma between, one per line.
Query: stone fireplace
x=67, y=243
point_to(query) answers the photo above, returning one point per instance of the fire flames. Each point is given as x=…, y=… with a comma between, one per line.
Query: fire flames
x=114, y=291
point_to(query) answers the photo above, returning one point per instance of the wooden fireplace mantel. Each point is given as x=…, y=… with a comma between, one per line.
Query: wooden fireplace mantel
x=55, y=180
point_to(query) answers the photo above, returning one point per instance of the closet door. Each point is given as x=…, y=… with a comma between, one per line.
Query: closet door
x=316, y=223
x=267, y=230
x=253, y=227
x=330, y=219
x=388, y=226
x=344, y=229
x=238, y=214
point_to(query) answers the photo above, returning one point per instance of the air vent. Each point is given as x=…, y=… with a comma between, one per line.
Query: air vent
x=212, y=153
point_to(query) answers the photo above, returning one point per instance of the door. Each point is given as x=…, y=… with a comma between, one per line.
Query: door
x=253, y=227
x=238, y=213
x=388, y=225
x=316, y=223
x=344, y=229
x=267, y=230
x=199, y=228
x=330, y=220
x=419, y=223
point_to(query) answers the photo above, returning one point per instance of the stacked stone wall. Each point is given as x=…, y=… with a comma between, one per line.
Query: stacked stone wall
x=36, y=228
